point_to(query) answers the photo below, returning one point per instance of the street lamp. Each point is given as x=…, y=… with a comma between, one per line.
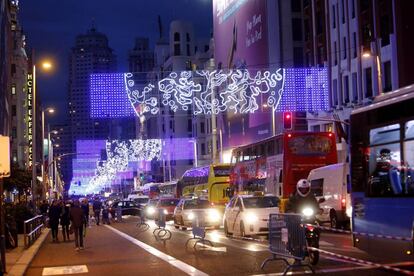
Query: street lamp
x=50, y=111
x=375, y=54
x=32, y=133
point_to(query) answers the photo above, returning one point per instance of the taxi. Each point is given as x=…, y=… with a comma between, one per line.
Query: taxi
x=248, y=214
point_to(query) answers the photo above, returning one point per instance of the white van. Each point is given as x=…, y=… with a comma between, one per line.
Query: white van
x=333, y=184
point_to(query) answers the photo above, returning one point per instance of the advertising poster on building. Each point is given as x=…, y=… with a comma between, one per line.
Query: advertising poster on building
x=4, y=156
x=241, y=42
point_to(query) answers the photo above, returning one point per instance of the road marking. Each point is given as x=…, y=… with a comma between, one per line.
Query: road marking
x=63, y=270
x=186, y=268
x=327, y=270
x=206, y=247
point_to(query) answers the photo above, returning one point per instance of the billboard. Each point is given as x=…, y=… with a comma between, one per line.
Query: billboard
x=4, y=156
x=240, y=34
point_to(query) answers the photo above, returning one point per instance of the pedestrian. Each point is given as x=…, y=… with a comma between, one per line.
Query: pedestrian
x=65, y=221
x=97, y=206
x=54, y=215
x=44, y=208
x=77, y=218
x=105, y=215
x=85, y=208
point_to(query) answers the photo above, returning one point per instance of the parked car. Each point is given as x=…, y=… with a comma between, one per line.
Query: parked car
x=168, y=205
x=249, y=214
x=189, y=208
x=127, y=207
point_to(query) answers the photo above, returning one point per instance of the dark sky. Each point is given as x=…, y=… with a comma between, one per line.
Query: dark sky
x=52, y=25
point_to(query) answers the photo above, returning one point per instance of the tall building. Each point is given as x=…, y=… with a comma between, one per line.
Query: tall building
x=365, y=45
x=19, y=70
x=61, y=142
x=141, y=58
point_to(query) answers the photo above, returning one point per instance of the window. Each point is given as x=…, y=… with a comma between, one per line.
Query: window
x=13, y=89
x=408, y=174
x=343, y=11
x=354, y=87
x=297, y=29
x=385, y=30
x=346, y=89
x=295, y=4
x=335, y=92
x=190, y=125
x=368, y=82
x=187, y=35
x=203, y=149
x=297, y=56
x=387, y=77
x=354, y=45
x=353, y=8
x=14, y=110
x=335, y=53
x=188, y=50
x=177, y=50
x=317, y=187
x=202, y=127
x=177, y=37
x=333, y=17
x=345, y=48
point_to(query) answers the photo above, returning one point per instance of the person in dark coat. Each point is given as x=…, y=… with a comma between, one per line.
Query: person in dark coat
x=97, y=206
x=65, y=221
x=77, y=218
x=54, y=215
x=85, y=208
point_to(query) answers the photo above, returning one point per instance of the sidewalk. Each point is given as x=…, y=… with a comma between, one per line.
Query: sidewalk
x=105, y=253
x=19, y=258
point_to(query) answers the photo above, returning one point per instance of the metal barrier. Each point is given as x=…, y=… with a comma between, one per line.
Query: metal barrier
x=161, y=233
x=287, y=240
x=32, y=230
x=199, y=231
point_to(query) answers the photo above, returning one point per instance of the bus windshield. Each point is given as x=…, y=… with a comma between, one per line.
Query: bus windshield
x=169, y=202
x=261, y=202
x=221, y=171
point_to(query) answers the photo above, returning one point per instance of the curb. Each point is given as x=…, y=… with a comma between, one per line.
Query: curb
x=20, y=267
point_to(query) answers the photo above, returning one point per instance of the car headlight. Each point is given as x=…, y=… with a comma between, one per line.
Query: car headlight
x=165, y=212
x=251, y=218
x=190, y=216
x=308, y=212
x=150, y=210
x=213, y=215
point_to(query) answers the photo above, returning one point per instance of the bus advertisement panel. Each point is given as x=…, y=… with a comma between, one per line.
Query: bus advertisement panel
x=276, y=164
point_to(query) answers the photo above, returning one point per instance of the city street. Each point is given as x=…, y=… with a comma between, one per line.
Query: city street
x=114, y=250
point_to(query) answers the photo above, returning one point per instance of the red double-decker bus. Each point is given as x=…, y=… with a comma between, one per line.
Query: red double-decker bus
x=276, y=164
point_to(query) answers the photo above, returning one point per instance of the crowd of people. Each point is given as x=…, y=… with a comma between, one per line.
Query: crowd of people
x=74, y=216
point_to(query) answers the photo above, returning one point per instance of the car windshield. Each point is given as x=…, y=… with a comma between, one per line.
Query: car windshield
x=196, y=204
x=261, y=202
x=169, y=202
x=152, y=202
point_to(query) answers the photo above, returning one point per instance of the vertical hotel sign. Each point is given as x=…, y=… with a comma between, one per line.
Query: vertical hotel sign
x=30, y=115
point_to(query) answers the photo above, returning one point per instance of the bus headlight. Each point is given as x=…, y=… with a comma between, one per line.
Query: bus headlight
x=213, y=215
x=308, y=212
x=190, y=216
x=348, y=211
x=251, y=218
x=151, y=211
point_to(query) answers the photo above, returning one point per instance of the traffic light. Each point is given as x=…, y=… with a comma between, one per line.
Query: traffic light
x=141, y=176
x=287, y=120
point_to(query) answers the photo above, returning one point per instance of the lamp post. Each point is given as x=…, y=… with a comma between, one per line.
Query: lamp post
x=49, y=110
x=32, y=131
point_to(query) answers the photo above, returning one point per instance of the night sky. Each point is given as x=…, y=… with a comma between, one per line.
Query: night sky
x=51, y=27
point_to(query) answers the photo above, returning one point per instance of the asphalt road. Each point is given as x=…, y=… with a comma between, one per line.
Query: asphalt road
x=125, y=249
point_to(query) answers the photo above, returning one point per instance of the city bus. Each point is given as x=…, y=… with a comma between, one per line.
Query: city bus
x=382, y=174
x=274, y=165
x=210, y=182
x=168, y=188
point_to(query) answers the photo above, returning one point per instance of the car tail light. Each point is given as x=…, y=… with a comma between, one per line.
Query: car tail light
x=343, y=203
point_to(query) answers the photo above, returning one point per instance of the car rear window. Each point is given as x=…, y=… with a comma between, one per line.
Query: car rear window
x=196, y=204
x=261, y=202
x=169, y=202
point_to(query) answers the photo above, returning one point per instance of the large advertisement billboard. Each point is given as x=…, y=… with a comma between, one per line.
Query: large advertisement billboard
x=240, y=34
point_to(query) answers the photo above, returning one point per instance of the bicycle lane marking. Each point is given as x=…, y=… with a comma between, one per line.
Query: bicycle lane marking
x=186, y=268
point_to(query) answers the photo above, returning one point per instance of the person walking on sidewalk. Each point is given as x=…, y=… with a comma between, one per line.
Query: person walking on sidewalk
x=77, y=218
x=65, y=220
x=54, y=215
x=97, y=206
x=85, y=208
